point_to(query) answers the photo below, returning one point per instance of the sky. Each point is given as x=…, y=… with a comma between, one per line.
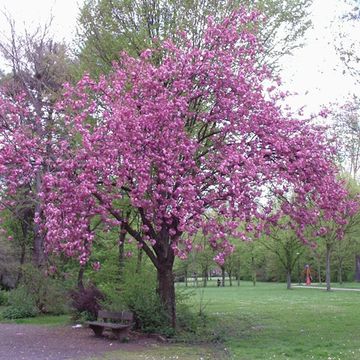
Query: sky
x=314, y=72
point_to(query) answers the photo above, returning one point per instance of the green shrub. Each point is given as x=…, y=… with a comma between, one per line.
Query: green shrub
x=48, y=293
x=21, y=305
x=137, y=293
x=4, y=297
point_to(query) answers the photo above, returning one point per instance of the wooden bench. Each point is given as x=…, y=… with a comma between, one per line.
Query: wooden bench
x=119, y=323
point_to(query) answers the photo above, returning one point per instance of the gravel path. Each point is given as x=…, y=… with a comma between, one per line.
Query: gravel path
x=29, y=342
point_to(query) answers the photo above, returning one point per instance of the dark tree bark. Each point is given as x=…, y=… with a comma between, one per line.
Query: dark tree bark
x=166, y=290
x=288, y=279
x=340, y=271
x=22, y=261
x=80, y=279
x=222, y=276
x=205, y=276
x=230, y=277
x=357, y=268
x=253, y=269
x=319, y=271
x=39, y=257
x=328, y=273
x=121, y=252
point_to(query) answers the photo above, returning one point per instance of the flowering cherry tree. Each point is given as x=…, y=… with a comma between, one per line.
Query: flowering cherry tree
x=195, y=143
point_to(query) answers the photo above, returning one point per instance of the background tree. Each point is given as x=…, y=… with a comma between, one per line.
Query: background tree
x=349, y=50
x=38, y=66
x=283, y=242
x=346, y=127
x=107, y=27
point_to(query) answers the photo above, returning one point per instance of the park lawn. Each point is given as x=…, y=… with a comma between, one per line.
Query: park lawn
x=270, y=322
x=165, y=352
x=45, y=320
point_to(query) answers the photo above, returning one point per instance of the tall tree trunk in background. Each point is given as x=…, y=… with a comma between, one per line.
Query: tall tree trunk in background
x=288, y=279
x=328, y=273
x=340, y=278
x=186, y=278
x=205, y=276
x=196, y=283
x=253, y=270
x=357, y=268
x=319, y=271
x=230, y=278
x=222, y=276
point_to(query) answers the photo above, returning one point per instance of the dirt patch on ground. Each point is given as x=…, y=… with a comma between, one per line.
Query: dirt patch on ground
x=29, y=342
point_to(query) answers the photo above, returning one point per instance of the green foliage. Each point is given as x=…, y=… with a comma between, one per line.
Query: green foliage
x=140, y=296
x=48, y=293
x=107, y=27
x=4, y=298
x=21, y=305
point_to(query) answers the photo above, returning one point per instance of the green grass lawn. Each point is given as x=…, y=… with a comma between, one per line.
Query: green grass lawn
x=46, y=320
x=270, y=322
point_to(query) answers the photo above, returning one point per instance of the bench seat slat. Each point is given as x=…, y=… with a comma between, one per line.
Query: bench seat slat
x=108, y=325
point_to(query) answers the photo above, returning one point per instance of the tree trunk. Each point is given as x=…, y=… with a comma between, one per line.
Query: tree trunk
x=288, y=279
x=230, y=278
x=328, y=274
x=319, y=271
x=121, y=252
x=253, y=270
x=340, y=272
x=38, y=251
x=80, y=279
x=22, y=261
x=186, y=278
x=205, y=277
x=222, y=276
x=139, y=260
x=196, y=283
x=166, y=290
x=357, y=268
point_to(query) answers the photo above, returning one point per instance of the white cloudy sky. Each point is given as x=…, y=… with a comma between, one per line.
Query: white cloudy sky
x=314, y=72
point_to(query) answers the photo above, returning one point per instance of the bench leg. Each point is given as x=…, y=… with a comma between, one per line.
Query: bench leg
x=121, y=334
x=98, y=330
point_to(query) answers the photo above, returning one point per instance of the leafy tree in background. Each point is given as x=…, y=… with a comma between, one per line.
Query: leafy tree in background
x=346, y=127
x=107, y=27
x=283, y=242
x=330, y=233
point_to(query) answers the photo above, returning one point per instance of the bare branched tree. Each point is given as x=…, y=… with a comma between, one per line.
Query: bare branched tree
x=37, y=67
